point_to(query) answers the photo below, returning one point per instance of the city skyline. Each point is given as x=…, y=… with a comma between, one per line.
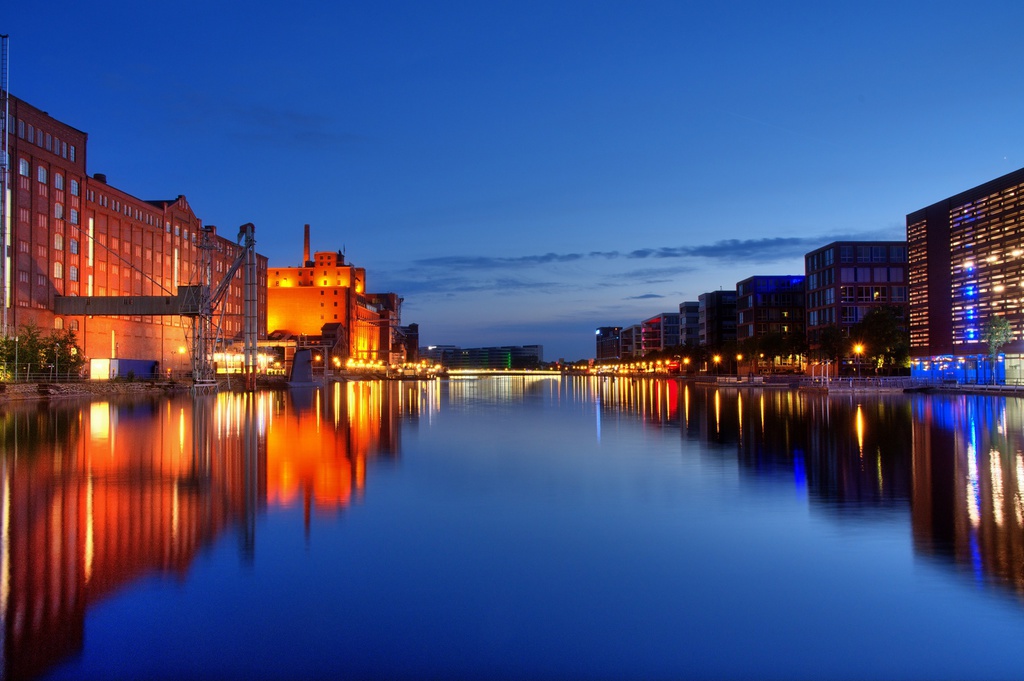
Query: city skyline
x=522, y=174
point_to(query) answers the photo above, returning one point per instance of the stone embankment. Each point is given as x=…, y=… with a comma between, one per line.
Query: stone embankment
x=36, y=391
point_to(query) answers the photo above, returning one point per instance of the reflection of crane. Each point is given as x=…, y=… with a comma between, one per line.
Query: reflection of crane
x=204, y=334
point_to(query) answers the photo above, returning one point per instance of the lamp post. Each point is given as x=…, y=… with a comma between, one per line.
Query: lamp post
x=15, y=359
x=858, y=350
x=739, y=358
x=716, y=359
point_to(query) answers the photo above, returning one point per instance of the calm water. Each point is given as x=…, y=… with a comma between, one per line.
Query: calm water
x=514, y=527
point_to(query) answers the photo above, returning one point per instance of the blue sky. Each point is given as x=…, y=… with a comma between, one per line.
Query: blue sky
x=523, y=172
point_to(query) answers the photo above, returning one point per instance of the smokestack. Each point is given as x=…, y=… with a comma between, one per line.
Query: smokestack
x=305, y=249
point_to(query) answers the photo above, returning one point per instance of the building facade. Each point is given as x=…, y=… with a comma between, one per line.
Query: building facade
x=70, y=234
x=609, y=343
x=966, y=262
x=324, y=302
x=659, y=332
x=717, y=318
x=689, y=323
x=772, y=304
x=847, y=279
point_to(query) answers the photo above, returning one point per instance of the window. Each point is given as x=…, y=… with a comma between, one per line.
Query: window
x=23, y=167
x=73, y=273
x=73, y=246
x=58, y=181
x=58, y=323
x=58, y=270
x=58, y=211
x=74, y=216
x=23, y=276
x=58, y=242
x=71, y=153
x=74, y=187
x=41, y=175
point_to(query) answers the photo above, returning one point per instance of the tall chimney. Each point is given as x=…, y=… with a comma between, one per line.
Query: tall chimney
x=305, y=249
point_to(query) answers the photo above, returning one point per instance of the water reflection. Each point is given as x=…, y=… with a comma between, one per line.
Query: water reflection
x=956, y=462
x=96, y=496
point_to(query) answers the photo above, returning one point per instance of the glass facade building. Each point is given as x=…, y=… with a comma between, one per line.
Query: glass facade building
x=966, y=268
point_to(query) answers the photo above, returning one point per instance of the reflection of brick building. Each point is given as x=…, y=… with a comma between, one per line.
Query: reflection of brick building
x=94, y=498
x=75, y=235
x=327, y=291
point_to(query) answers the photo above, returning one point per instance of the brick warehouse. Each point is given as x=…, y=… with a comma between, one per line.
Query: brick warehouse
x=75, y=235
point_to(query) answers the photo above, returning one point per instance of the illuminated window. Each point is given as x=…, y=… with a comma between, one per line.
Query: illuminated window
x=58, y=270
x=58, y=242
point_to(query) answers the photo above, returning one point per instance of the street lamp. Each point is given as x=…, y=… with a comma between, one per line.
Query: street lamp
x=858, y=350
x=716, y=359
x=739, y=358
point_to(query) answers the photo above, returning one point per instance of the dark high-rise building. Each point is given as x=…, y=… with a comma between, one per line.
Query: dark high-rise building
x=689, y=323
x=609, y=343
x=717, y=318
x=966, y=263
x=771, y=304
x=846, y=279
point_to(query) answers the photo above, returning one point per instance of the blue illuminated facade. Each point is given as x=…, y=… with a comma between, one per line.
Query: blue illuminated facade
x=966, y=264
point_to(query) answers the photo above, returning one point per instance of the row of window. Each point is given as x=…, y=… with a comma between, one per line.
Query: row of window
x=45, y=140
x=42, y=176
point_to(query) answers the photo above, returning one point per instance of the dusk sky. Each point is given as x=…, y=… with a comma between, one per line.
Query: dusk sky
x=524, y=172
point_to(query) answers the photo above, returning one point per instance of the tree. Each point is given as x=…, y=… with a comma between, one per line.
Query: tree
x=886, y=341
x=832, y=344
x=996, y=333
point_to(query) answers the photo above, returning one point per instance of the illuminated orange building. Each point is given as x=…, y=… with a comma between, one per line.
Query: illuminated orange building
x=76, y=235
x=324, y=302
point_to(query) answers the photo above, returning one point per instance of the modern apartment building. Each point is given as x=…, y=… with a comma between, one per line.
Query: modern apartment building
x=609, y=343
x=689, y=323
x=967, y=267
x=846, y=279
x=770, y=304
x=659, y=332
x=70, y=234
x=717, y=318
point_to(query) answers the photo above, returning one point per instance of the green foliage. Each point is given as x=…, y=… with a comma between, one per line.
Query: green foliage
x=34, y=352
x=832, y=344
x=996, y=334
x=885, y=338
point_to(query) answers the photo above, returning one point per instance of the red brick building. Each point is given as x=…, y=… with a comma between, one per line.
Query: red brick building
x=75, y=235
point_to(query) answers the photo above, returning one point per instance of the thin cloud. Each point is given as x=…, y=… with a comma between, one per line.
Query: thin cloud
x=732, y=250
x=645, y=296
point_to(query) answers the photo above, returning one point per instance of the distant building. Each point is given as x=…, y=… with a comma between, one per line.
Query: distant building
x=717, y=318
x=609, y=343
x=659, y=332
x=846, y=279
x=632, y=343
x=966, y=262
x=770, y=304
x=326, y=291
x=689, y=323
x=503, y=357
